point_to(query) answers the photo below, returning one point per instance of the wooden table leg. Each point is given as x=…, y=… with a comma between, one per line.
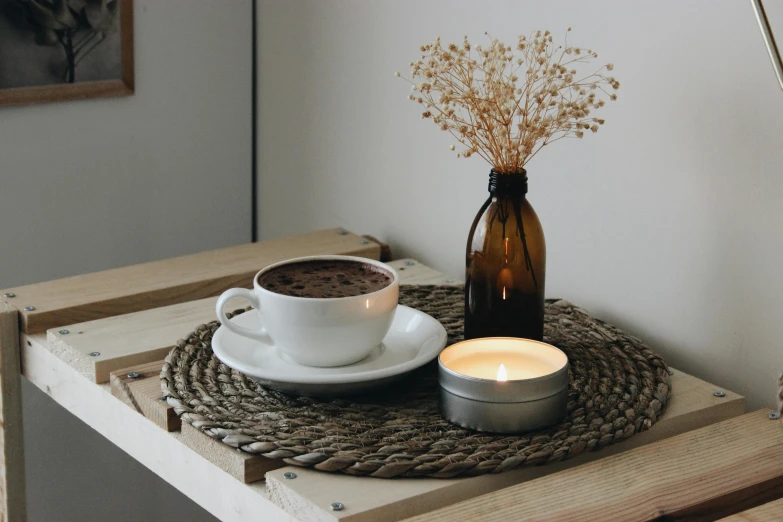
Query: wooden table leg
x=12, y=487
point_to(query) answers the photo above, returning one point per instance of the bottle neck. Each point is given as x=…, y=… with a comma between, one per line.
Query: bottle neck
x=508, y=184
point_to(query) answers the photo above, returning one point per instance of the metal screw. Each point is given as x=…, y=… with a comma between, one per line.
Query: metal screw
x=670, y=372
x=343, y=232
x=134, y=375
x=774, y=416
x=9, y=295
x=94, y=354
x=289, y=475
x=409, y=263
x=29, y=308
x=719, y=393
x=364, y=241
x=64, y=332
x=337, y=506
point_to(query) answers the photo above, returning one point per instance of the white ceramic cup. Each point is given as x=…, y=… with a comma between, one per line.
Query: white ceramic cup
x=318, y=331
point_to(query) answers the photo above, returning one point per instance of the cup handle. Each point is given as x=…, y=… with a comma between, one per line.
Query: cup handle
x=259, y=335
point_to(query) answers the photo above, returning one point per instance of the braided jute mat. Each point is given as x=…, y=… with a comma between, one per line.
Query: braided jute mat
x=618, y=387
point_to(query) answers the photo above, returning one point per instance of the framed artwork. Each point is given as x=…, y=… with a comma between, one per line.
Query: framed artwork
x=55, y=50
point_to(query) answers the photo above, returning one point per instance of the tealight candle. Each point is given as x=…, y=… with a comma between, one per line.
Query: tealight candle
x=503, y=384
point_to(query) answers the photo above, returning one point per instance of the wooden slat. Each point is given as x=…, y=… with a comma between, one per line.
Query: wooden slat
x=769, y=512
x=718, y=470
x=386, y=253
x=413, y=272
x=242, y=466
x=692, y=406
x=160, y=283
x=162, y=452
x=12, y=483
x=143, y=393
x=141, y=337
x=149, y=335
x=128, y=340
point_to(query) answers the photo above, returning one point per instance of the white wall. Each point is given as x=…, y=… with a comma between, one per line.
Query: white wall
x=667, y=222
x=91, y=185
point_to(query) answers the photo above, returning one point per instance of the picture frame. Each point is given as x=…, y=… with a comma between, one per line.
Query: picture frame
x=122, y=82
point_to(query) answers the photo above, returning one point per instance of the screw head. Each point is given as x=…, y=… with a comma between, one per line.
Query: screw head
x=289, y=475
x=134, y=375
x=64, y=332
x=94, y=354
x=29, y=308
x=670, y=372
x=9, y=295
x=774, y=416
x=337, y=506
x=343, y=232
x=719, y=393
x=409, y=263
x=364, y=241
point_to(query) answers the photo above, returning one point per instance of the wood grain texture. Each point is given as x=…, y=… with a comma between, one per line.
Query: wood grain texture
x=143, y=394
x=702, y=475
x=692, y=406
x=386, y=253
x=84, y=90
x=414, y=273
x=769, y=512
x=131, y=339
x=139, y=388
x=242, y=466
x=162, y=452
x=160, y=283
x=12, y=482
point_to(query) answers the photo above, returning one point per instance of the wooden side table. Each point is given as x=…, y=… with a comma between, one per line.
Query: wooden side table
x=95, y=344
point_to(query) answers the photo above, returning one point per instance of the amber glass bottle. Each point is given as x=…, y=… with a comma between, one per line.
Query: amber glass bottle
x=506, y=264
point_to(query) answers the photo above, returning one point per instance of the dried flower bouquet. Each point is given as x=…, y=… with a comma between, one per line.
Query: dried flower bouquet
x=506, y=104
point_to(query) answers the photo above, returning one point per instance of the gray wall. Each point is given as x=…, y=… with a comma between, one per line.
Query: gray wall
x=667, y=222
x=90, y=185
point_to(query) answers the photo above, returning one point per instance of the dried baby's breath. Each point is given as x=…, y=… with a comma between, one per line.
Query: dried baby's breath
x=506, y=104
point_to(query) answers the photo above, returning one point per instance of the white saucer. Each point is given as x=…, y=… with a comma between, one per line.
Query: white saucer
x=414, y=339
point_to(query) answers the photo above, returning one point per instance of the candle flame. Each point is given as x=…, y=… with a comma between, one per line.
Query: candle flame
x=502, y=375
x=504, y=293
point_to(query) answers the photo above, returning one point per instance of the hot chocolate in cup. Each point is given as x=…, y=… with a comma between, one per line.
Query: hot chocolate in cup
x=320, y=310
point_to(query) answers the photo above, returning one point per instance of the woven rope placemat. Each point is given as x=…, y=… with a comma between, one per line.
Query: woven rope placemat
x=618, y=387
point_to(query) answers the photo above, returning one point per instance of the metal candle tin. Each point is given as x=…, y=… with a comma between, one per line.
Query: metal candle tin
x=534, y=395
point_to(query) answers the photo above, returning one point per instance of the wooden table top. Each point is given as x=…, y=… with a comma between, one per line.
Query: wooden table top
x=160, y=302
